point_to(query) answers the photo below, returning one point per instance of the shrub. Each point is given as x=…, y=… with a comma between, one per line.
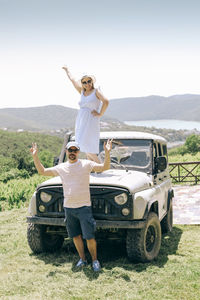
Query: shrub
x=46, y=158
x=18, y=192
x=6, y=163
x=14, y=174
x=192, y=144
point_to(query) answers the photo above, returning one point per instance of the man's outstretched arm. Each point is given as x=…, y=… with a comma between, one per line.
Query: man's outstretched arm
x=39, y=166
x=106, y=164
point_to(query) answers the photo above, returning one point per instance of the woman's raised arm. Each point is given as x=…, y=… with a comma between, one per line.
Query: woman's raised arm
x=75, y=83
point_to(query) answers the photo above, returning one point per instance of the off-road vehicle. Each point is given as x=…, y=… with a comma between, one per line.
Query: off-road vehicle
x=131, y=201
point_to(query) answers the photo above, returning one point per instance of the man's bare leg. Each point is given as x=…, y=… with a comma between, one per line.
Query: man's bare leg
x=92, y=247
x=78, y=242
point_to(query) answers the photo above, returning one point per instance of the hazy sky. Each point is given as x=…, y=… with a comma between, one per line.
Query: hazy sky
x=133, y=47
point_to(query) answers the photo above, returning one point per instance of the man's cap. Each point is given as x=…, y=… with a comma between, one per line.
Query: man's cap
x=72, y=144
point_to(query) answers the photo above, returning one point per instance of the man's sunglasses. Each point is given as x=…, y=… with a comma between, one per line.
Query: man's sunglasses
x=72, y=150
x=85, y=82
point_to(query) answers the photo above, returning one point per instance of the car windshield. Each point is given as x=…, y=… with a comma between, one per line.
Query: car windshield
x=130, y=154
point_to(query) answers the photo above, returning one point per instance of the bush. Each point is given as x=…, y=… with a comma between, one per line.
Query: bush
x=6, y=163
x=182, y=150
x=18, y=192
x=46, y=158
x=192, y=144
x=14, y=174
x=23, y=160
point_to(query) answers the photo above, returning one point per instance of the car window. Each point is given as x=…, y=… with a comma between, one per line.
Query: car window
x=155, y=153
x=132, y=154
x=159, y=150
x=164, y=151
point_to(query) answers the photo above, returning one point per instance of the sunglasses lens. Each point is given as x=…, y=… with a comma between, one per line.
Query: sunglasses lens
x=72, y=150
x=85, y=82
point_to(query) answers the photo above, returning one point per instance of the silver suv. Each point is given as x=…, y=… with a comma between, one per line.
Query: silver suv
x=131, y=201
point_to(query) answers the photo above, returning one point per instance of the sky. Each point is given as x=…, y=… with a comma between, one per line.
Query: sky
x=134, y=48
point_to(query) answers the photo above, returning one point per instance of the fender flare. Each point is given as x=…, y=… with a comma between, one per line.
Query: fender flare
x=169, y=198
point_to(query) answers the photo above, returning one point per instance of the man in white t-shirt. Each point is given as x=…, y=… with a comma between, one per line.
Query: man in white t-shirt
x=75, y=174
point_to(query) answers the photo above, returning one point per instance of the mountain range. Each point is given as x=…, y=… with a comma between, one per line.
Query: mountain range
x=54, y=117
x=178, y=107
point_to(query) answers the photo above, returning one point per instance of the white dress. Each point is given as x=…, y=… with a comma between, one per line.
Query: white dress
x=87, y=129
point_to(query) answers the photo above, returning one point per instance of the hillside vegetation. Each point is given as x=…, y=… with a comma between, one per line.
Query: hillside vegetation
x=15, y=158
x=18, y=180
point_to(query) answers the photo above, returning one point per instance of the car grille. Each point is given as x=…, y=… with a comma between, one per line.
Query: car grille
x=104, y=205
x=102, y=199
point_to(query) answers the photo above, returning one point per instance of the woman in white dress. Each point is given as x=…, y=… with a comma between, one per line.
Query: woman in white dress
x=92, y=106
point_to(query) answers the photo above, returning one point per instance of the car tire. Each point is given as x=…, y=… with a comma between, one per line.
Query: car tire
x=144, y=244
x=167, y=221
x=39, y=241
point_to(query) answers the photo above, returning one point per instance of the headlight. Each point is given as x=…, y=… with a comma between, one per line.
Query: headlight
x=125, y=211
x=121, y=199
x=45, y=197
x=41, y=208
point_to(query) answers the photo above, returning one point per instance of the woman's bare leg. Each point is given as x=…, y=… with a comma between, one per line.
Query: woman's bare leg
x=94, y=157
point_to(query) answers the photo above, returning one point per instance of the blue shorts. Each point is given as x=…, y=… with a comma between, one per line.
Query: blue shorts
x=80, y=221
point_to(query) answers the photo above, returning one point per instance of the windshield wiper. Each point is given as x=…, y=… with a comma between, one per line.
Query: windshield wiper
x=119, y=164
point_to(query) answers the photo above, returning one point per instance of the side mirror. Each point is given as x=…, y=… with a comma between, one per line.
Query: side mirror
x=161, y=163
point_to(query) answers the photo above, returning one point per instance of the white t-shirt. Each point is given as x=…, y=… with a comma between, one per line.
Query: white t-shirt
x=75, y=180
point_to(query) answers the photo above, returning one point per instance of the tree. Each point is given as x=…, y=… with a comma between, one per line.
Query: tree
x=24, y=160
x=192, y=144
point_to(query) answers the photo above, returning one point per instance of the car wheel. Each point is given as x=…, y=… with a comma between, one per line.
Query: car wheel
x=167, y=221
x=39, y=241
x=144, y=244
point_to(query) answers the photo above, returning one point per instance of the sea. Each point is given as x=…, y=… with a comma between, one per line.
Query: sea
x=168, y=124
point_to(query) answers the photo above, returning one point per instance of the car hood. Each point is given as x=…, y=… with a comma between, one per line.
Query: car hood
x=134, y=181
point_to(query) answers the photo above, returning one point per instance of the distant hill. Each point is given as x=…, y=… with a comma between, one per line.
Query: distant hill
x=179, y=107
x=56, y=117
x=49, y=117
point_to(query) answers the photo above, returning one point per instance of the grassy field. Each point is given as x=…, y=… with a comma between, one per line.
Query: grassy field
x=23, y=275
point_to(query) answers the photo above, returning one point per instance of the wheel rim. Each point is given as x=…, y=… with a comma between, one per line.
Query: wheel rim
x=150, y=238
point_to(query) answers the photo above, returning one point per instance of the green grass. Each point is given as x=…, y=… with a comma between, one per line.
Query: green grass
x=23, y=275
x=183, y=158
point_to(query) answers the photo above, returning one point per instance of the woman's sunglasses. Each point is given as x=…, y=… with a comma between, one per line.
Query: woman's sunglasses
x=85, y=82
x=72, y=150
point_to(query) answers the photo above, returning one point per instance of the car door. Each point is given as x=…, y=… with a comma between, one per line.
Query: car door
x=161, y=179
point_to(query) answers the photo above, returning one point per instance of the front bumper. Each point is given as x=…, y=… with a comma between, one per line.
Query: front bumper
x=99, y=223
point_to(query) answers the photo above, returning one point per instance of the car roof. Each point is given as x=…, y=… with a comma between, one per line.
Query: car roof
x=131, y=135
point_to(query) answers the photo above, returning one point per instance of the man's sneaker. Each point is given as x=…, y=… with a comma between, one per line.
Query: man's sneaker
x=81, y=263
x=96, y=266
